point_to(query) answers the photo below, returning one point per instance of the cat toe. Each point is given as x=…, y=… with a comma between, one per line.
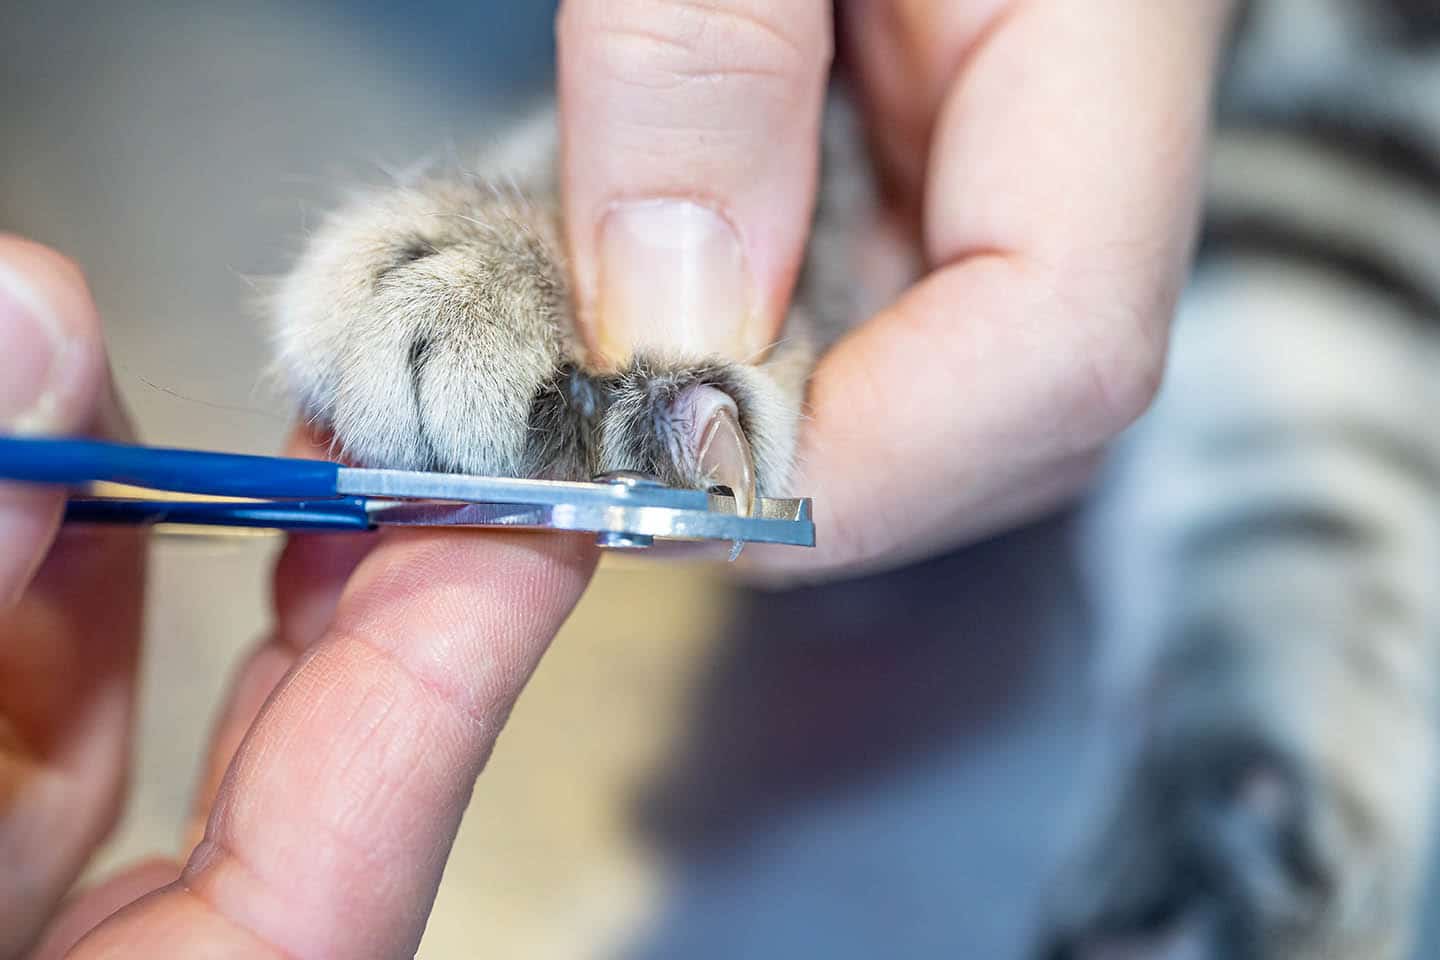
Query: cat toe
x=700, y=426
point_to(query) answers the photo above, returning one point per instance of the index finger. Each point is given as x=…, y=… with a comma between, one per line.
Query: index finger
x=332, y=826
x=1062, y=181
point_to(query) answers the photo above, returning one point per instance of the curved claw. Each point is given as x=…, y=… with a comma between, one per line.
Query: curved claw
x=726, y=458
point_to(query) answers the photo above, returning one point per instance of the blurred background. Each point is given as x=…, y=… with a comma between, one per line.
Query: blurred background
x=716, y=775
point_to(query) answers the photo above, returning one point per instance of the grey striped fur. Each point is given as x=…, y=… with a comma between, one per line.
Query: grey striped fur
x=1265, y=545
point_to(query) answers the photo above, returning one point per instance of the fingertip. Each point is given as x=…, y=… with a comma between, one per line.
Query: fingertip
x=53, y=380
x=51, y=348
x=689, y=148
x=93, y=905
x=55, y=276
x=311, y=441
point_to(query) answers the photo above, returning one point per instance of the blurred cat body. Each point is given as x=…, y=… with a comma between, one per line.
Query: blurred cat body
x=1263, y=549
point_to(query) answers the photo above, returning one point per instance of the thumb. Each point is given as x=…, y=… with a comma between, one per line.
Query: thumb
x=52, y=377
x=690, y=145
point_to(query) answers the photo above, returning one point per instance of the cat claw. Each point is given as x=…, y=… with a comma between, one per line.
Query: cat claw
x=726, y=458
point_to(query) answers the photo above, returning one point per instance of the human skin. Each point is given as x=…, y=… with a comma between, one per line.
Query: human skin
x=1043, y=159
x=353, y=735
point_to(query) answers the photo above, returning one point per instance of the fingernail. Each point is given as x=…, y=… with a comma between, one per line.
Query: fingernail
x=29, y=351
x=673, y=280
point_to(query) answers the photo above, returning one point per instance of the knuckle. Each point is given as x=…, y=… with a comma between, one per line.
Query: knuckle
x=663, y=44
x=1126, y=371
x=1108, y=360
x=57, y=285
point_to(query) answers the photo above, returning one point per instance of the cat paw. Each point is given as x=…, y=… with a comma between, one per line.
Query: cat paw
x=422, y=323
x=699, y=425
x=1224, y=849
x=429, y=327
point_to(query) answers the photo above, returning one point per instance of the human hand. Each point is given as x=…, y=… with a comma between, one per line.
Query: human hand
x=346, y=755
x=1043, y=159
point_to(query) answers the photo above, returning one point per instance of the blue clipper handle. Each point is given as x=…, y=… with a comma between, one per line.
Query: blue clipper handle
x=75, y=463
x=339, y=513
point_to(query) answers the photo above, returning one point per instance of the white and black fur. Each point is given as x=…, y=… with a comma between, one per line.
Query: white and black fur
x=429, y=325
x=1263, y=547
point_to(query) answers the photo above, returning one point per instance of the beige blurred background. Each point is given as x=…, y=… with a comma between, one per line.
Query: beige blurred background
x=877, y=769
